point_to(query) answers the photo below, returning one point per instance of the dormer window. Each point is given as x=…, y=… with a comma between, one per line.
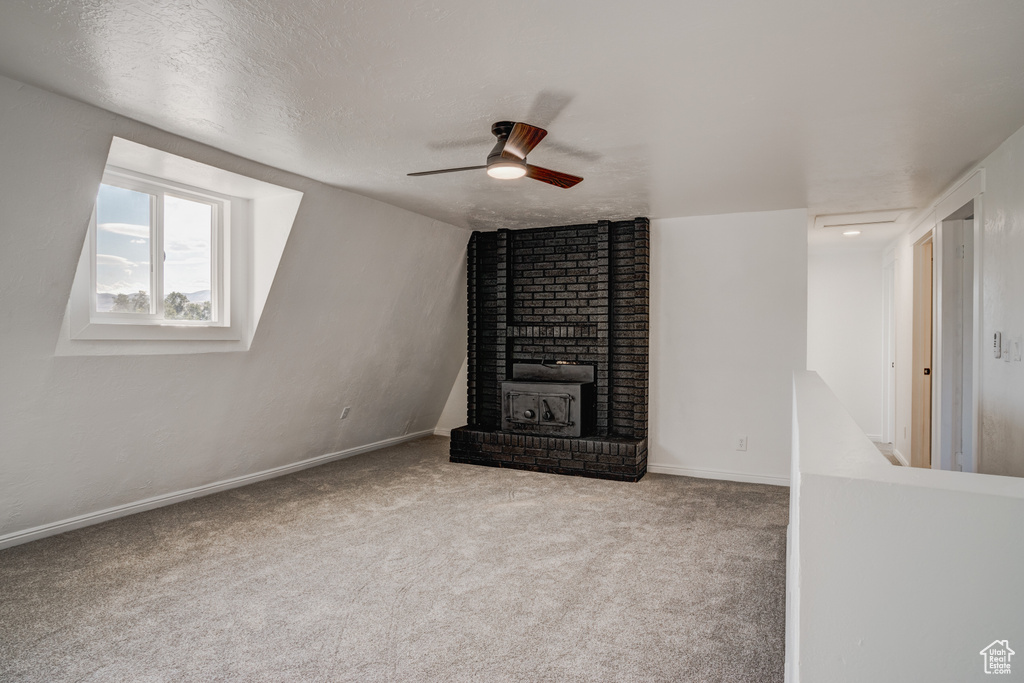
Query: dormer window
x=179, y=257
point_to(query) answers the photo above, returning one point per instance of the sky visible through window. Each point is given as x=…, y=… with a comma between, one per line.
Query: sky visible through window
x=123, y=245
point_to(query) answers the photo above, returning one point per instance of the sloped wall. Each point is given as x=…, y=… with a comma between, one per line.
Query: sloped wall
x=367, y=310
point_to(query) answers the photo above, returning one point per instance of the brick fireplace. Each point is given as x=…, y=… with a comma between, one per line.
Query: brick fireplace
x=572, y=295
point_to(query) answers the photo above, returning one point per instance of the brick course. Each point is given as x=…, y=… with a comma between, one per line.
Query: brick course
x=602, y=458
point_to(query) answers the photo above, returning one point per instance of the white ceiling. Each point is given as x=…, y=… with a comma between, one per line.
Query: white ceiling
x=665, y=108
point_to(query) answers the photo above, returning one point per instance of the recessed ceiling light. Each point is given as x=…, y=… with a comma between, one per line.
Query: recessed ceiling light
x=851, y=233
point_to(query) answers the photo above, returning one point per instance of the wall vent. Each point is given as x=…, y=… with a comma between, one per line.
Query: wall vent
x=863, y=219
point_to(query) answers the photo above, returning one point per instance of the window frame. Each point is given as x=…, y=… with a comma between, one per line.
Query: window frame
x=233, y=246
x=158, y=189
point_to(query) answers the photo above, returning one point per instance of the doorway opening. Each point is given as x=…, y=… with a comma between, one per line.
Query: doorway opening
x=955, y=341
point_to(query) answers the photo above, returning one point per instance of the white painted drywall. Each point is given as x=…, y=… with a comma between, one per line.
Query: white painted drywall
x=1002, y=255
x=367, y=310
x=1001, y=262
x=455, y=412
x=894, y=574
x=903, y=284
x=845, y=320
x=728, y=328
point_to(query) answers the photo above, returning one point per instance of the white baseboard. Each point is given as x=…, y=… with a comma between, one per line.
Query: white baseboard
x=899, y=456
x=717, y=474
x=88, y=519
x=440, y=431
x=875, y=437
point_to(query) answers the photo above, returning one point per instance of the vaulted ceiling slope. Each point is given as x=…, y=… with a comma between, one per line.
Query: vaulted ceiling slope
x=666, y=108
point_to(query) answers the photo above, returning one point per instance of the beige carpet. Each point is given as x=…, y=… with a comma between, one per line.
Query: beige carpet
x=886, y=449
x=400, y=566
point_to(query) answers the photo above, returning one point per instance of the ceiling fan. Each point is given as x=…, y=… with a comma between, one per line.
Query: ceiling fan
x=508, y=158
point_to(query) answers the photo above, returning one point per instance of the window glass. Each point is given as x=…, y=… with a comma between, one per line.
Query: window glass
x=188, y=259
x=123, y=236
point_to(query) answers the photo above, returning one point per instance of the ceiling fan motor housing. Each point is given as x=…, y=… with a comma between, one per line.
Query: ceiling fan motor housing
x=501, y=130
x=499, y=163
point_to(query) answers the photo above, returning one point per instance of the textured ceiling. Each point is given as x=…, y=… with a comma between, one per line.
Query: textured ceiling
x=666, y=108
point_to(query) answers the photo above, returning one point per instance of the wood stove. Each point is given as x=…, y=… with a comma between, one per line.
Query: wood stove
x=577, y=294
x=545, y=399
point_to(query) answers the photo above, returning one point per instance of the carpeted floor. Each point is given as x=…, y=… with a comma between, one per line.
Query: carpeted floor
x=400, y=566
x=886, y=449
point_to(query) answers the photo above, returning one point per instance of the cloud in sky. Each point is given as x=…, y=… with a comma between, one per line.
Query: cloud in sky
x=111, y=260
x=128, y=229
x=123, y=287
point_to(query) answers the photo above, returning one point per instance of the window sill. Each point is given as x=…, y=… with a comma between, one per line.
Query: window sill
x=155, y=332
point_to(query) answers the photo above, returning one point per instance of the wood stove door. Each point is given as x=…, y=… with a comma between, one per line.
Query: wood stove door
x=523, y=408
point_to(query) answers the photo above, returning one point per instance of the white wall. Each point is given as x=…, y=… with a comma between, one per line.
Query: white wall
x=1001, y=392
x=728, y=328
x=1002, y=383
x=367, y=311
x=903, y=285
x=455, y=409
x=845, y=320
x=894, y=573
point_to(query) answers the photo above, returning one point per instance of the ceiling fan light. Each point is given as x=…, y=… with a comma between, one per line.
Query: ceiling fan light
x=506, y=170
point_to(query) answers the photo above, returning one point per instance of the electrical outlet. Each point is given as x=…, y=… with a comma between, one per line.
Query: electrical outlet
x=741, y=443
x=344, y=412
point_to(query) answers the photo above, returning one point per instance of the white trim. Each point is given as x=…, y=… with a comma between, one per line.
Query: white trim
x=876, y=437
x=980, y=346
x=717, y=474
x=964, y=191
x=899, y=456
x=441, y=431
x=972, y=181
x=88, y=519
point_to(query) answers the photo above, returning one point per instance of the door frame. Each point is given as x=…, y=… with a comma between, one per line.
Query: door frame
x=970, y=189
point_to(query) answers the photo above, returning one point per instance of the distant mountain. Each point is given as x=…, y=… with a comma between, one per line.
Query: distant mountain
x=105, y=300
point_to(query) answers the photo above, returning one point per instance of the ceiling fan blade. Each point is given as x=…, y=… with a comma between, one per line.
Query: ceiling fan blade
x=551, y=177
x=449, y=170
x=522, y=139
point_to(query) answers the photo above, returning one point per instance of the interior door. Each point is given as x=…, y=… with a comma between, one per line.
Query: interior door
x=921, y=399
